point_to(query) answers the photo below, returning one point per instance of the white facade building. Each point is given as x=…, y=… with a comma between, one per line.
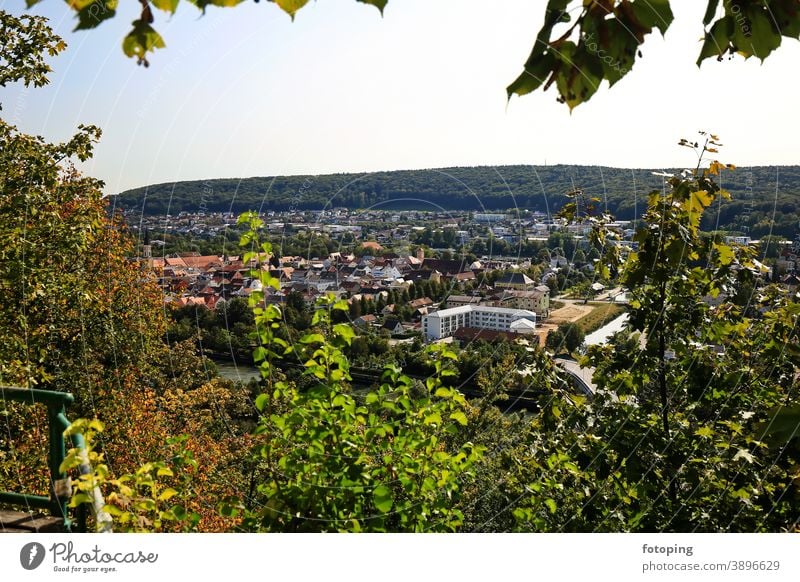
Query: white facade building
x=445, y=322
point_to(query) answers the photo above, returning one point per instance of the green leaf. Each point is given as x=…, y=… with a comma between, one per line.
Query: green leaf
x=291, y=6
x=787, y=16
x=784, y=425
x=551, y=505
x=717, y=40
x=92, y=13
x=613, y=48
x=220, y=3
x=344, y=331
x=704, y=432
x=166, y=5
x=382, y=497
x=433, y=418
x=459, y=417
x=261, y=402
x=579, y=76
x=725, y=253
x=379, y=4
x=763, y=36
x=167, y=494
x=141, y=40
x=652, y=13
x=711, y=10
x=698, y=201
x=753, y=33
x=535, y=73
x=743, y=454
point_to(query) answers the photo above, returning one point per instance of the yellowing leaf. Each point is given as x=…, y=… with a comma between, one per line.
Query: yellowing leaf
x=291, y=6
x=704, y=432
x=725, y=253
x=167, y=494
x=459, y=417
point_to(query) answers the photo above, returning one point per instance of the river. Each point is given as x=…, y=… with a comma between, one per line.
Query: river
x=237, y=372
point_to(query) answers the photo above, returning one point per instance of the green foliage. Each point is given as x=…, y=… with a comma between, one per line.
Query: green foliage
x=24, y=41
x=568, y=337
x=581, y=44
x=754, y=207
x=694, y=399
x=153, y=498
x=609, y=35
x=331, y=462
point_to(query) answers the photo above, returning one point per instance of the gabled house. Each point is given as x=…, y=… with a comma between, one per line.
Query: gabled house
x=518, y=281
x=392, y=325
x=367, y=320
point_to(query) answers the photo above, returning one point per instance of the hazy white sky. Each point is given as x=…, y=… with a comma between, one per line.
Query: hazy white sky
x=245, y=92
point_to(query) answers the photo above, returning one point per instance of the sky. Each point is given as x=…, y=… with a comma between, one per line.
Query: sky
x=244, y=91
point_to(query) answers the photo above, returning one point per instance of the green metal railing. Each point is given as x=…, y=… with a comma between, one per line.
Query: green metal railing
x=60, y=490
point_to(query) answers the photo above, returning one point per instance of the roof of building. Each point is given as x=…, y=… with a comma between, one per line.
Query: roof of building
x=522, y=324
x=463, y=299
x=515, y=279
x=452, y=311
x=482, y=309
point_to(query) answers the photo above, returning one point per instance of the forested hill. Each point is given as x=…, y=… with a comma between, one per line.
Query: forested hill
x=756, y=193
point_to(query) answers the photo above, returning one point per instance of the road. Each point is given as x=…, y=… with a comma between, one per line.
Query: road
x=582, y=375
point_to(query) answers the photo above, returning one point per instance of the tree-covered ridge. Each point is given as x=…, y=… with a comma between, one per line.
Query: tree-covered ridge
x=764, y=200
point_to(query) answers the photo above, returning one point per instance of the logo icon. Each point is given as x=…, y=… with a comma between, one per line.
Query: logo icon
x=31, y=555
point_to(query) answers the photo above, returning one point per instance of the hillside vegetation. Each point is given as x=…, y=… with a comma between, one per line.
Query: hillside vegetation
x=766, y=199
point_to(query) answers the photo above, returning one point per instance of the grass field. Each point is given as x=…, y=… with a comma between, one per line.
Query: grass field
x=599, y=316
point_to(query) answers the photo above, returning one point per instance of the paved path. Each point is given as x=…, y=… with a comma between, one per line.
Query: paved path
x=582, y=375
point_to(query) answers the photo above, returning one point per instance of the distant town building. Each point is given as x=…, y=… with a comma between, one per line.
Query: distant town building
x=739, y=240
x=518, y=281
x=445, y=322
x=488, y=217
x=536, y=300
x=459, y=300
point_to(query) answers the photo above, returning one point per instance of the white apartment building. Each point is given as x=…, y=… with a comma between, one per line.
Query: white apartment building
x=445, y=322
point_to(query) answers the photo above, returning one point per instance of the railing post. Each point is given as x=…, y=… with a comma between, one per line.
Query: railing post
x=56, y=456
x=60, y=486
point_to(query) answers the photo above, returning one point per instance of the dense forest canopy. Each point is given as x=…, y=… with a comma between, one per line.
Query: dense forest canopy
x=765, y=199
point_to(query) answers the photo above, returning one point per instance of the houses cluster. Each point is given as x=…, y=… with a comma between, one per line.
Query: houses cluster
x=787, y=266
x=211, y=280
x=444, y=228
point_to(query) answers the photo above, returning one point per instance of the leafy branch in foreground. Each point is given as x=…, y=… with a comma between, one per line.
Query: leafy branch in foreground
x=580, y=44
x=335, y=461
x=24, y=40
x=151, y=499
